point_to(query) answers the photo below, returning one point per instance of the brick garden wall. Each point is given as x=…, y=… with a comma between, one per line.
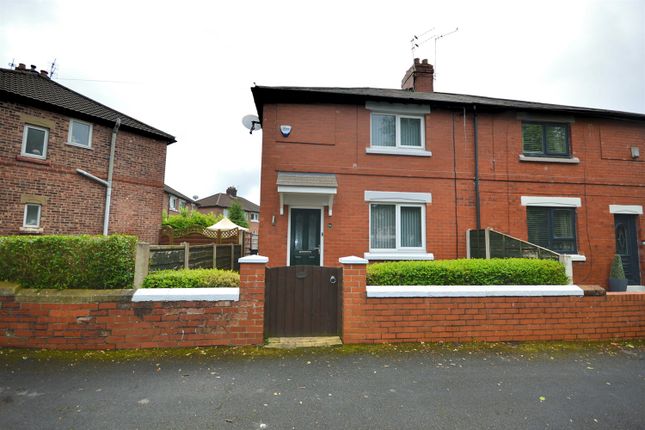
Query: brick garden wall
x=464, y=319
x=120, y=323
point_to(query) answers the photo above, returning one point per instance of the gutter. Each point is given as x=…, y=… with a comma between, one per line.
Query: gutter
x=108, y=183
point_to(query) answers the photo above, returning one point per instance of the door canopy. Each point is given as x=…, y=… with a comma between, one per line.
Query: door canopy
x=307, y=189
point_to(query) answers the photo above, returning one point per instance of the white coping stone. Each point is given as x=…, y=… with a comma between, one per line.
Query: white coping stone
x=186, y=294
x=473, y=290
x=254, y=259
x=352, y=259
x=399, y=256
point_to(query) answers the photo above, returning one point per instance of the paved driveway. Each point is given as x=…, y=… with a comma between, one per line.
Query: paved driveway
x=372, y=388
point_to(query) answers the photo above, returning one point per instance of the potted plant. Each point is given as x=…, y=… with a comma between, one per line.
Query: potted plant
x=617, y=279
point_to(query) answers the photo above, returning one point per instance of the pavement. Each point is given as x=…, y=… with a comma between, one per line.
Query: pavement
x=508, y=386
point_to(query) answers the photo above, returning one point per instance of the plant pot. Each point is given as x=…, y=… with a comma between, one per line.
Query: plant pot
x=616, y=284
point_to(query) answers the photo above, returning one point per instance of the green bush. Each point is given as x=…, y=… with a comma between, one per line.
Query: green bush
x=236, y=214
x=186, y=219
x=192, y=278
x=509, y=271
x=79, y=262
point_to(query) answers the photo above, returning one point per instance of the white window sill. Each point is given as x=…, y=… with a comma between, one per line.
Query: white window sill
x=78, y=145
x=32, y=230
x=186, y=294
x=398, y=256
x=473, y=291
x=398, y=151
x=571, y=160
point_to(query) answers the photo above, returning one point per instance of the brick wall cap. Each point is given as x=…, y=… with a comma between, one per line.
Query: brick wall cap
x=31, y=295
x=8, y=289
x=186, y=294
x=352, y=259
x=473, y=290
x=254, y=259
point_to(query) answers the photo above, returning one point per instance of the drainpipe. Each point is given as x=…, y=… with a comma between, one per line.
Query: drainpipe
x=108, y=183
x=476, y=149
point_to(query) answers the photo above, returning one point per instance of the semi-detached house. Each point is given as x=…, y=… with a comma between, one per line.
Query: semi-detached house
x=55, y=147
x=403, y=174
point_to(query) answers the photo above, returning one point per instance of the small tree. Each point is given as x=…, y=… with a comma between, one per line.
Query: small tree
x=236, y=214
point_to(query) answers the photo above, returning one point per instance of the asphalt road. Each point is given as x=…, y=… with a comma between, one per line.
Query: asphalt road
x=448, y=389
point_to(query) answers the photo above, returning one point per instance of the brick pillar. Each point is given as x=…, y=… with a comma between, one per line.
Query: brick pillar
x=252, y=273
x=354, y=298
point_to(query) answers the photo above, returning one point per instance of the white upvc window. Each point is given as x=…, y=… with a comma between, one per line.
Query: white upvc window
x=397, y=227
x=254, y=217
x=390, y=130
x=80, y=133
x=34, y=141
x=32, y=216
x=172, y=203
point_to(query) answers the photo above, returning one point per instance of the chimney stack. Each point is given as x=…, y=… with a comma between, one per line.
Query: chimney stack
x=231, y=191
x=44, y=73
x=419, y=77
x=21, y=66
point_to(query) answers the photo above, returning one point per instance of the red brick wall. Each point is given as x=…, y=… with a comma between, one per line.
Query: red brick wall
x=75, y=204
x=332, y=139
x=491, y=319
x=115, y=325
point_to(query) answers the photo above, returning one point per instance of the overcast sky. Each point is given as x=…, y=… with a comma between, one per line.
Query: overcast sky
x=186, y=67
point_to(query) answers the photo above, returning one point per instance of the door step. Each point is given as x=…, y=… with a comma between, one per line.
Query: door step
x=302, y=342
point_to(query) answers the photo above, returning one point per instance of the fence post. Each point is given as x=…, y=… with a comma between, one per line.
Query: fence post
x=487, y=242
x=186, y=255
x=467, y=244
x=214, y=256
x=232, y=256
x=568, y=266
x=141, y=263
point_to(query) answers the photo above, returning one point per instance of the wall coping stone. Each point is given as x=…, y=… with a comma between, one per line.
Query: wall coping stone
x=352, y=259
x=254, y=259
x=8, y=289
x=593, y=290
x=384, y=291
x=186, y=294
x=33, y=295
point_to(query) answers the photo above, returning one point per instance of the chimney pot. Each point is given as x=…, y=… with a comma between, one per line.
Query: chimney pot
x=44, y=73
x=419, y=77
x=22, y=66
x=33, y=68
x=231, y=191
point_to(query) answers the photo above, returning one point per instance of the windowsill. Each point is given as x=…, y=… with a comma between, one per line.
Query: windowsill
x=78, y=145
x=31, y=230
x=398, y=151
x=564, y=160
x=254, y=220
x=34, y=160
x=398, y=256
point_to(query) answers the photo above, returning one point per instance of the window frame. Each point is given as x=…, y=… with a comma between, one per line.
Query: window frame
x=397, y=219
x=23, y=150
x=24, y=218
x=552, y=239
x=69, y=134
x=397, y=131
x=172, y=203
x=254, y=217
x=545, y=152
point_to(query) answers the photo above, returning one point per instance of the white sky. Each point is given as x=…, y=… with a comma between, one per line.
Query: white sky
x=186, y=67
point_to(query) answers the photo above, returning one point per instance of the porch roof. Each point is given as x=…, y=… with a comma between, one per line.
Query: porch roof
x=308, y=189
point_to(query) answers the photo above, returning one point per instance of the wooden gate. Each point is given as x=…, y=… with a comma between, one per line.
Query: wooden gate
x=302, y=301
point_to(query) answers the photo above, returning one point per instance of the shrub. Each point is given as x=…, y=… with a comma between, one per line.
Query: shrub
x=236, y=214
x=80, y=262
x=186, y=219
x=617, y=271
x=510, y=271
x=192, y=278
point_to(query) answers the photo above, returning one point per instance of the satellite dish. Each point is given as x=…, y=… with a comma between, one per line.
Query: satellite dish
x=252, y=122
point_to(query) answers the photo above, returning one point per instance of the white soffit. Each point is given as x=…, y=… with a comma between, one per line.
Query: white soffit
x=398, y=108
x=557, y=202
x=397, y=197
x=626, y=209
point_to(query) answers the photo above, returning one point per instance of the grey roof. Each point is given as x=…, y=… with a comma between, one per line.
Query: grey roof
x=31, y=88
x=174, y=192
x=294, y=179
x=223, y=200
x=264, y=94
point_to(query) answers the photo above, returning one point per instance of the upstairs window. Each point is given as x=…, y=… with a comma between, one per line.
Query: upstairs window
x=80, y=133
x=397, y=131
x=553, y=228
x=34, y=141
x=254, y=216
x=172, y=203
x=545, y=139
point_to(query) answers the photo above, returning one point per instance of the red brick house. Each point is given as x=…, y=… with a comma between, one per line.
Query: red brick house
x=220, y=203
x=174, y=201
x=395, y=174
x=55, y=147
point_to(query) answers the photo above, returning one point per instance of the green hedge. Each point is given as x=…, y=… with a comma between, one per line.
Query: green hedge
x=509, y=271
x=192, y=278
x=61, y=262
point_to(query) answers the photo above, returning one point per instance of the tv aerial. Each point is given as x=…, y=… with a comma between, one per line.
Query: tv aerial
x=426, y=36
x=252, y=122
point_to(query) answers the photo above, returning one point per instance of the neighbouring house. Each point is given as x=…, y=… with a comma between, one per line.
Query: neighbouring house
x=174, y=201
x=220, y=203
x=403, y=174
x=54, y=157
